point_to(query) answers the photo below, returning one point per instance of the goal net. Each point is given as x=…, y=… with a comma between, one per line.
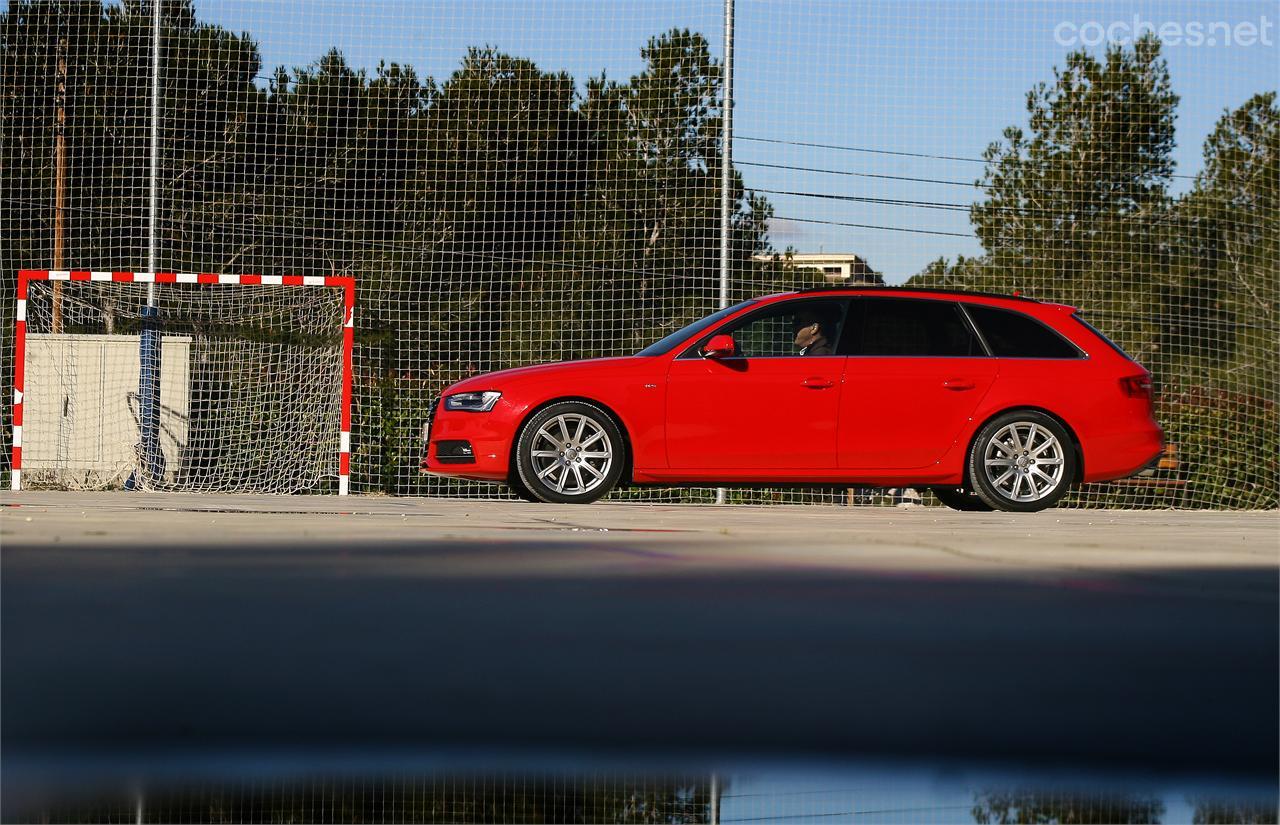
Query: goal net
x=182, y=382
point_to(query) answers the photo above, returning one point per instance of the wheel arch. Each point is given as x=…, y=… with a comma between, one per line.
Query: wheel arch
x=1075, y=439
x=609, y=411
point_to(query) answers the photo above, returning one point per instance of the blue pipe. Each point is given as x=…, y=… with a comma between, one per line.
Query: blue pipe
x=150, y=456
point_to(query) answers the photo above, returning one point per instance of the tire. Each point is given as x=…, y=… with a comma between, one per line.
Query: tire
x=515, y=485
x=570, y=452
x=961, y=498
x=1022, y=462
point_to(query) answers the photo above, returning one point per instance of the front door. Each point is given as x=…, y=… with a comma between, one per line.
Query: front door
x=773, y=404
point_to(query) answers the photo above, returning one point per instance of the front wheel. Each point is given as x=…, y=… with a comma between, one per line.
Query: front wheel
x=570, y=453
x=1022, y=462
x=516, y=486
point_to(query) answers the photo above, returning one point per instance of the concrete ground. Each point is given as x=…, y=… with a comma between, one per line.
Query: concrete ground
x=134, y=621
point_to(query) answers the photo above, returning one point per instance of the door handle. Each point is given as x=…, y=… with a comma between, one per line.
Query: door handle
x=817, y=383
x=958, y=384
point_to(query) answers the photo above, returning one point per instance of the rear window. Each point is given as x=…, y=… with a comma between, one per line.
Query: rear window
x=1011, y=334
x=909, y=327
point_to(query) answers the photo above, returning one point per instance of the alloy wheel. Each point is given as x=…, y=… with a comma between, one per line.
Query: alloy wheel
x=571, y=454
x=1024, y=462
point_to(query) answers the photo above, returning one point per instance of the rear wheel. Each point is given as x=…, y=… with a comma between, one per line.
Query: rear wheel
x=961, y=498
x=570, y=453
x=1022, y=462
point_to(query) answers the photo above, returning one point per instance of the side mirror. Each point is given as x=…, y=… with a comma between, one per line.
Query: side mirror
x=720, y=346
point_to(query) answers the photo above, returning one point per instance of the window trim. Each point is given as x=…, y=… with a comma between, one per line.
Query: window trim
x=694, y=350
x=957, y=306
x=977, y=330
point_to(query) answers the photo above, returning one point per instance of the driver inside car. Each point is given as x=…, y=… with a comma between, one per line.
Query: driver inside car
x=813, y=334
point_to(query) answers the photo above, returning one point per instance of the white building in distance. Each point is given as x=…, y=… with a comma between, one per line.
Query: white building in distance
x=834, y=266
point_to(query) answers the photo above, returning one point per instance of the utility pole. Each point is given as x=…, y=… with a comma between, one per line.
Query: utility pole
x=726, y=171
x=153, y=215
x=726, y=155
x=59, y=172
x=150, y=457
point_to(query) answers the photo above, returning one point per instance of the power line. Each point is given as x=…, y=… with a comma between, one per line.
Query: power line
x=838, y=147
x=873, y=151
x=859, y=149
x=950, y=207
x=253, y=231
x=340, y=239
x=875, y=226
x=955, y=207
x=853, y=174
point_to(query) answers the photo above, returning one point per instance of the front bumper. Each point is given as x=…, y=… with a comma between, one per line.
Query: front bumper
x=489, y=436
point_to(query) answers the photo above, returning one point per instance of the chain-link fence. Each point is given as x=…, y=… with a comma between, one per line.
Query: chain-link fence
x=513, y=182
x=883, y=797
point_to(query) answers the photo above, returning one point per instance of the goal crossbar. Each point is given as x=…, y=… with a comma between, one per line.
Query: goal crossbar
x=344, y=283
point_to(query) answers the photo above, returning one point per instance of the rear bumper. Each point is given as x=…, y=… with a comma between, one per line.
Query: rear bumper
x=1120, y=455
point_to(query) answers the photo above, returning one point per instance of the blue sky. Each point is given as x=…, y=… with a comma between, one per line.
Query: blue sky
x=925, y=78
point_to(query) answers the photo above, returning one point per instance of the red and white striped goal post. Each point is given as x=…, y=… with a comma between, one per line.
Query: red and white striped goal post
x=344, y=282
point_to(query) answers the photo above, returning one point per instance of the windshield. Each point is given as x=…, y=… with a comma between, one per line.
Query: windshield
x=664, y=345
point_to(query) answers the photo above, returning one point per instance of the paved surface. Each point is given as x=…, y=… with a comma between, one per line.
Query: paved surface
x=1094, y=637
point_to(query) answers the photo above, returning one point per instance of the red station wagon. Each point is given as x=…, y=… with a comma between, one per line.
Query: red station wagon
x=993, y=402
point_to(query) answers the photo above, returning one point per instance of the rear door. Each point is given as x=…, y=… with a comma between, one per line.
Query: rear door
x=916, y=371
x=772, y=406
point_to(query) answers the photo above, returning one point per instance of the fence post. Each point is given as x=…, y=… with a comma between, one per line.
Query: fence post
x=150, y=457
x=726, y=171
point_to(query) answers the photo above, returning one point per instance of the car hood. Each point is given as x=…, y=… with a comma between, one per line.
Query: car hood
x=504, y=378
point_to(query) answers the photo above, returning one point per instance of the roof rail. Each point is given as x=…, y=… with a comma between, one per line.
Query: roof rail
x=877, y=288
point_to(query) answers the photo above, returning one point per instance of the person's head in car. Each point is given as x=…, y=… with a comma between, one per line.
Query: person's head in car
x=814, y=332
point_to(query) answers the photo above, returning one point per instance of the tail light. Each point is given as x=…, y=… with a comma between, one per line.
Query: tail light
x=1137, y=386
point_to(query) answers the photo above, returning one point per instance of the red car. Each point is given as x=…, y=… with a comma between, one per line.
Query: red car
x=994, y=402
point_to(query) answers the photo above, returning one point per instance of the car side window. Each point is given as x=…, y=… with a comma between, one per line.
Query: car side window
x=1014, y=335
x=799, y=328
x=911, y=327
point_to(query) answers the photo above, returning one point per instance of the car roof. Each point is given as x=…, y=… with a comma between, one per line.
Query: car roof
x=910, y=289
x=922, y=292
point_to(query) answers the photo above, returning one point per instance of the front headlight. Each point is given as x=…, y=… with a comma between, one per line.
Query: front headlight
x=472, y=401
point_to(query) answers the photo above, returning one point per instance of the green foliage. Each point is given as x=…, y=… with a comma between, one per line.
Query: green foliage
x=1238, y=194
x=1235, y=440
x=1220, y=811
x=1031, y=807
x=638, y=257
x=1077, y=210
x=463, y=208
x=468, y=207
x=1098, y=151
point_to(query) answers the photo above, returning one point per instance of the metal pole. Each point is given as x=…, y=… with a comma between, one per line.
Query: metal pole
x=60, y=175
x=715, y=800
x=726, y=155
x=154, y=187
x=726, y=171
x=150, y=456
